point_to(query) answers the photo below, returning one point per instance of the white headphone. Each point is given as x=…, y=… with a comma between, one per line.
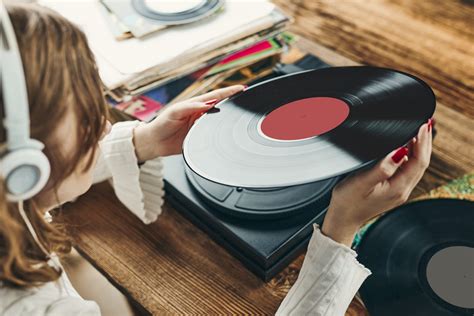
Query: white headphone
x=24, y=167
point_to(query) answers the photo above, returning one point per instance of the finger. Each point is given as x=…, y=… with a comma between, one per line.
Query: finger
x=187, y=109
x=219, y=94
x=413, y=170
x=410, y=146
x=196, y=116
x=385, y=168
x=192, y=119
x=422, y=151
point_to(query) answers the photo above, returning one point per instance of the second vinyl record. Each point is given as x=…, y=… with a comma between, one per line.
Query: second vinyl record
x=421, y=256
x=308, y=126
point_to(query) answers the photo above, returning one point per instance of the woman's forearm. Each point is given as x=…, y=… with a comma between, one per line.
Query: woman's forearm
x=339, y=229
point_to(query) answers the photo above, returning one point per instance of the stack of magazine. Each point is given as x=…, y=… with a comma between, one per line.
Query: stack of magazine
x=146, y=65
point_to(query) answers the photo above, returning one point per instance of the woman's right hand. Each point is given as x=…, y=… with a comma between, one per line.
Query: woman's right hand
x=367, y=194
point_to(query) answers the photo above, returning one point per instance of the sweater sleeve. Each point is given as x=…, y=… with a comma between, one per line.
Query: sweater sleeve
x=48, y=307
x=51, y=299
x=328, y=280
x=140, y=189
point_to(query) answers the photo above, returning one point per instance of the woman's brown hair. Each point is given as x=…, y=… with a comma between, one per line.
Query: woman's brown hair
x=61, y=76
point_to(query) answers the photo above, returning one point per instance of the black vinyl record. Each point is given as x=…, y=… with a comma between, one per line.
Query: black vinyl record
x=309, y=126
x=422, y=260
x=196, y=12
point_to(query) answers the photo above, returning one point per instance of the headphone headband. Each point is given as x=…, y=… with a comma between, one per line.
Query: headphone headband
x=24, y=168
x=15, y=98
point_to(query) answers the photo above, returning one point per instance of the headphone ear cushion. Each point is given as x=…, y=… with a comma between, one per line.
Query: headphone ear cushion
x=25, y=172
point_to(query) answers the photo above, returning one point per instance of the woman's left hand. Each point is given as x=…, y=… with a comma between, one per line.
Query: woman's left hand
x=164, y=135
x=369, y=193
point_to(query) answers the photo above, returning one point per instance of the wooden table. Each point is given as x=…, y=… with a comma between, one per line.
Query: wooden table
x=172, y=266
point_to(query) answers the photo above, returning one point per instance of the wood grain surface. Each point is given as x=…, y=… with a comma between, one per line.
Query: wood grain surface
x=431, y=39
x=173, y=267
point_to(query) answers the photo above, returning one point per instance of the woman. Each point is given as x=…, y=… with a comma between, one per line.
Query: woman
x=68, y=114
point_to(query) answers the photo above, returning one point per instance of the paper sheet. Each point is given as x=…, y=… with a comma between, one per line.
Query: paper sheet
x=120, y=60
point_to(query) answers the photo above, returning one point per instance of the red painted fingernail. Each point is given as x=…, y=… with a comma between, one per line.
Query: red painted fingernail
x=399, y=154
x=211, y=102
x=245, y=87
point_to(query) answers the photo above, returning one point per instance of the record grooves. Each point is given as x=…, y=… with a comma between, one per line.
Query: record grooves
x=235, y=146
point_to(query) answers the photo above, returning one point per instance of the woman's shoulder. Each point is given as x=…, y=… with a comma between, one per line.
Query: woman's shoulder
x=49, y=299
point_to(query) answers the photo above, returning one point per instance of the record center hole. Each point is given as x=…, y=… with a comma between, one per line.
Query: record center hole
x=304, y=118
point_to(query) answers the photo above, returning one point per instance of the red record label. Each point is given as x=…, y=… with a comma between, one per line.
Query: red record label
x=305, y=118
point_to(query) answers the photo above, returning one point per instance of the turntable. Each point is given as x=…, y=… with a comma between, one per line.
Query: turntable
x=260, y=167
x=264, y=228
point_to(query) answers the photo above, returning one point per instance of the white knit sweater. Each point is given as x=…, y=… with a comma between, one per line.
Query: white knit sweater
x=329, y=278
